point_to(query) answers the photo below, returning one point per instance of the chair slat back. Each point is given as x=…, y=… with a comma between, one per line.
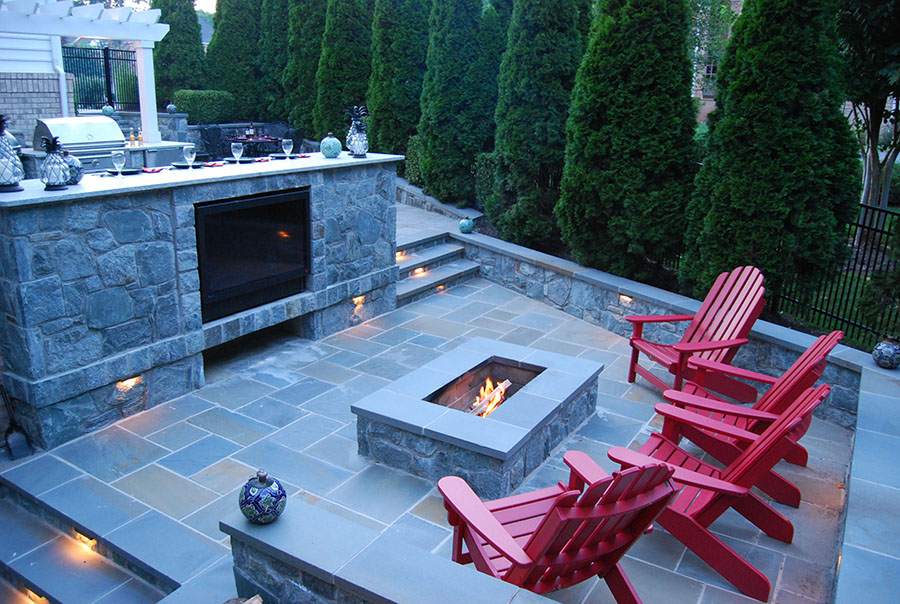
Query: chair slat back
x=802, y=374
x=733, y=304
x=765, y=451
x=581, y=538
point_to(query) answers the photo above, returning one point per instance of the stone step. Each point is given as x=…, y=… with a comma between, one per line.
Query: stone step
x=129, y=534
x=37, y=557
x=411, y=288
x=420, y=240
x=429, y=258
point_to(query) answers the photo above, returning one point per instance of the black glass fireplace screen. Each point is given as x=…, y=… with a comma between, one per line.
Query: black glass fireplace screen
x=252, y=250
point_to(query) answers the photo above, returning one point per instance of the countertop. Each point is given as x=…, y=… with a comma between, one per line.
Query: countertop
x=98, y=185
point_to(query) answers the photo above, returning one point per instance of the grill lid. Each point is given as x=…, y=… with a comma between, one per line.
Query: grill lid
x=80, y=132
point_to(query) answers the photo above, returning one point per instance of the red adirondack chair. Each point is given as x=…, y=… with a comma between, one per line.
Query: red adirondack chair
x=716, y=332
x=559, y=536
x=707, y=492
x=722, y=442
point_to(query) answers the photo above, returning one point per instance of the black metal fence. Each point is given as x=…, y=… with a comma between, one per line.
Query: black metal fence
x=102, y=76
x=837, y=302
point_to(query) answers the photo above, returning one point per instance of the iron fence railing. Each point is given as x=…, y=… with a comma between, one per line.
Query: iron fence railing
x=837, y=301
x=102, y=75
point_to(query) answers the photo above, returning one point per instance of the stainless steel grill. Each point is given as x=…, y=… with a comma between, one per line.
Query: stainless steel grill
x=90, y=139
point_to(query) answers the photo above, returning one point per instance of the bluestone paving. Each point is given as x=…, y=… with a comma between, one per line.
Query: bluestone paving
x=21, y=532
x=94, y=506
x=199, y=455
x=284, y=403
x=132, y=592
x=110, y=453
x=869, y=573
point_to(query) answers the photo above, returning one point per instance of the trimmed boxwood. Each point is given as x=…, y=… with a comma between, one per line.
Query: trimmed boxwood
x=205, y=106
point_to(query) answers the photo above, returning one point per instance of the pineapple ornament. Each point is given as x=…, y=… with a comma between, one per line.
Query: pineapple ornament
x=357, y=139
x=54, y=170
x=11, y=170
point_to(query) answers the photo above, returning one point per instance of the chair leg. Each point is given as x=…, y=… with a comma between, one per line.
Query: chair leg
x=780, y=489
x=765, y=518
x=622, y=589
x=798, y=455
x=714, y=552
x=635, y=353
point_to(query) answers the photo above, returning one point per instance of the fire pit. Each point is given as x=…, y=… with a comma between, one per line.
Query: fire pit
x=435, y=421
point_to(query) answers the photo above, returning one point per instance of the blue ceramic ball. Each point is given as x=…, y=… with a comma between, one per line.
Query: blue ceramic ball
x=466, y=225
x=108, y=110
x=887, y=354
x=262, y=499
x=330, y=146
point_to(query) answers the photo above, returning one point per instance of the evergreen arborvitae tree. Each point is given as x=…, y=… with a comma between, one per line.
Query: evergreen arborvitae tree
x=630, y=154
x=492, y=41
x=306, y=24
x=450, y=123
x=273, y=56
x=178, y=59
x=782, y=170
x=342, y=76
x=399, y=41
x=233, y=55
x=535, y=82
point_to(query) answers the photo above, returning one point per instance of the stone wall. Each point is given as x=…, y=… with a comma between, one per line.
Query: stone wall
x=172, y=126
x=26, y=97
x=106, y=288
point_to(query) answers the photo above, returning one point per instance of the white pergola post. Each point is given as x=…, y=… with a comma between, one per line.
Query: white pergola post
x=147, y=91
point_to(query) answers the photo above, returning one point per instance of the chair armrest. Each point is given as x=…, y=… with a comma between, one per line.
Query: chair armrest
x=691, y=347
x=657, y=318
x=629, y=458
x=683, y=400
x=460, y=497
x=702, y=364
x=671, y=412
x=584, y=470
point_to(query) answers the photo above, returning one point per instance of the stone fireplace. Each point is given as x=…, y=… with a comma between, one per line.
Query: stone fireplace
x=102, y=294
x=402, y=427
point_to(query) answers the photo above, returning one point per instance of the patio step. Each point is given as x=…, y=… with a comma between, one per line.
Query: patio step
x=428, y=258
x=39, y=558
x=425, y=284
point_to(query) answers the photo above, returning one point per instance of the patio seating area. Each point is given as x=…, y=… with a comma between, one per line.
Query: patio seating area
x=153, y=487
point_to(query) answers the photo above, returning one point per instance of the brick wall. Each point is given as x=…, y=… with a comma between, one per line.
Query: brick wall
x=26, y=97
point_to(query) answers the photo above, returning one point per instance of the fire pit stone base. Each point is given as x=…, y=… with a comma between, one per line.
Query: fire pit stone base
x=396, y=426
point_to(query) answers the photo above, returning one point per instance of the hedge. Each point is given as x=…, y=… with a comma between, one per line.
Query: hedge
x=206, y=106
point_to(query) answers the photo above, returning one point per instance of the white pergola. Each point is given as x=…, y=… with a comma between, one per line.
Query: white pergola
x=35, y=20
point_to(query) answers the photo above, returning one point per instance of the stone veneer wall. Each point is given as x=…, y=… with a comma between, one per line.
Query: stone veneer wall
x=605, y=300
x=106, y=288
x=172, y=126
x=26, y=97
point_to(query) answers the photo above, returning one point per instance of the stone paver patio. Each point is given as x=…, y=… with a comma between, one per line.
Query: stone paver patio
x=279, y=402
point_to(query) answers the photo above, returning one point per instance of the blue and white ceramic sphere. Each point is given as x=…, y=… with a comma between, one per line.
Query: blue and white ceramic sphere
x=466, y=225
x=887, y=353
x=330, y=146
x=262, y=499
x=76, y=169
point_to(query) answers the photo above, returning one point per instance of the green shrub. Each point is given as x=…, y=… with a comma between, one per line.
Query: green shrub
x=232, y=56
x=630, y=157
x=780, y=178
x=413, y=167
x=178, y=59
x=485, y=177
x=206, y=106
x=306, y=25
x=894, y=195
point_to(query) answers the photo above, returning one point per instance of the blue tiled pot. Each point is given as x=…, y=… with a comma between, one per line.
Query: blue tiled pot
x=262, y=499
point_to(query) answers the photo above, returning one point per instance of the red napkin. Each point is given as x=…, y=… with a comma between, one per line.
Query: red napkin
x=261, y=159
x=152, y=170
x=303, y=156
x=213, y=164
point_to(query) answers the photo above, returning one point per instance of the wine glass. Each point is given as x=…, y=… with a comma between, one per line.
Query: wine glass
x=287, y=145
x=237, y=149
x=118, y=162
x=189, y=152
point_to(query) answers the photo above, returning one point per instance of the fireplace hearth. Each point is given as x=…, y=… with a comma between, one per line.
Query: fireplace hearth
x=402, y=426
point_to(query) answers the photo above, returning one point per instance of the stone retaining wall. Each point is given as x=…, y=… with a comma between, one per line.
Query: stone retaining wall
x=605, y=300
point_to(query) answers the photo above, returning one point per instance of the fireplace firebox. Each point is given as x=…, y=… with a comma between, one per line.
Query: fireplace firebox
x=471, y=392
x=252, y=250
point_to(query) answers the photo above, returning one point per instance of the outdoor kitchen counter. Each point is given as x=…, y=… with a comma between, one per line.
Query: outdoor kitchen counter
x=96, y=185
x=101, y=304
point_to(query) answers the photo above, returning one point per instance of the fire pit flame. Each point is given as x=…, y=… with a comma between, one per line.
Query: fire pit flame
x=489, y=397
